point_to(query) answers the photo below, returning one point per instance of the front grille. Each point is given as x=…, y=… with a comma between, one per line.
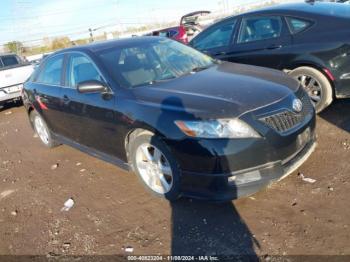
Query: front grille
x=286, y=120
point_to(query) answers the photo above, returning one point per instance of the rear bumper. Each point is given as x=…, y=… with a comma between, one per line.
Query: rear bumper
x=9, y=97
x=224, y=187
x=10, y=93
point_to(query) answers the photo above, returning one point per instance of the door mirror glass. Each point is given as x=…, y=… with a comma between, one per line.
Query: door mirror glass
x=91, y=86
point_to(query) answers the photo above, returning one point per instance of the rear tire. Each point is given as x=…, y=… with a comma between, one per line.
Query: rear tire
x=316, y=85
x=154, y=164
x=42, y=130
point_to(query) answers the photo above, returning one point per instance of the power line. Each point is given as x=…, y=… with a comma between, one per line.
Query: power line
x=10, y=18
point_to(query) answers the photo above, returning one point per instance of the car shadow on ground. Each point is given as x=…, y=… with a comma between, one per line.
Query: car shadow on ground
x=338, y=114
x=9, y=105
x=202, y=228
x=212, y=229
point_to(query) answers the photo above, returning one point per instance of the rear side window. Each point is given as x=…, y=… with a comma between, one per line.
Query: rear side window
x=9, y=60
x=51, y=72
x=215, y=37
x=260, y=28
x=297, y=25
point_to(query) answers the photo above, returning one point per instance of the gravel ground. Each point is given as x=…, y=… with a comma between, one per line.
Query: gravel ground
x=113, y=212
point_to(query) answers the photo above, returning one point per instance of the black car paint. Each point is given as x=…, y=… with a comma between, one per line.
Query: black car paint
x=324, y=45
x=100, y=124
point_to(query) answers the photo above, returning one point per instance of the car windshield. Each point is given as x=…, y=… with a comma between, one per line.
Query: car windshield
x=151, y=62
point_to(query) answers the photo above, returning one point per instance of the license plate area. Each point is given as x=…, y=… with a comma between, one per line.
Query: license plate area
x=13, y=89
x=301, y=141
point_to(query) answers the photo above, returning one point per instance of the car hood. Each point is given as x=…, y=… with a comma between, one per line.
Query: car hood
x=224, y=90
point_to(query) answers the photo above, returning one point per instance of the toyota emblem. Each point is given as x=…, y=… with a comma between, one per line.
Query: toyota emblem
x=297, y=105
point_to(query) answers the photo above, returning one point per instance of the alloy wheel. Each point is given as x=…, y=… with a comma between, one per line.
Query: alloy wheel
x=154, y=168
x=312, y=87
x=41, y=130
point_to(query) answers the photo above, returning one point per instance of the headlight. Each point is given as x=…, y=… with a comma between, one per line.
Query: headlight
x=222, y=128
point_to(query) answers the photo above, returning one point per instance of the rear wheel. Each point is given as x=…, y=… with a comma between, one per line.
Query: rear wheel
x=316, y=85
x=154, y=164
x=42, y=130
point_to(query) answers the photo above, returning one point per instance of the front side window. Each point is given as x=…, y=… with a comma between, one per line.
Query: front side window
x=81, y=69
x=9, y=60
x=51, y=72
x=297, y=25
x=146, y=63
x=215, y=37
x=260, y=28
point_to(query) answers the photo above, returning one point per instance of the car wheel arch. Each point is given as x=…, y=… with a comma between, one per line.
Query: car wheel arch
x=314, y=66
x=135, y=132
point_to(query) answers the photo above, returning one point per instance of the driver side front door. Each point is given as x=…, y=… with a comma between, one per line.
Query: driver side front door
x=89, y=117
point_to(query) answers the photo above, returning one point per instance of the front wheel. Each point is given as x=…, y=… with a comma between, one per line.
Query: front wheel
x=316, y=84
x=154, y=164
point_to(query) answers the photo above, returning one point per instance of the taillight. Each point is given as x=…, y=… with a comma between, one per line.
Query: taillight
x=182, y=36
x=329, y=74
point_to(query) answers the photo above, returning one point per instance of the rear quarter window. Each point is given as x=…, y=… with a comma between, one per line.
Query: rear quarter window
x=297, y=25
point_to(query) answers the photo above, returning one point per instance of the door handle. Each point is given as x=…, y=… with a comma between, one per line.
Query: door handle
x=271, y=47
x=220, y=53
x=66, y=99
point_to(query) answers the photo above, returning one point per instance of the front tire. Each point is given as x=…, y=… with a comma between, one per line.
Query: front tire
x=316, y=85
x=42, y=130
x=154, y=164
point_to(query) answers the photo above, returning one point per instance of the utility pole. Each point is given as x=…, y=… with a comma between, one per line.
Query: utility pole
x=91, y=35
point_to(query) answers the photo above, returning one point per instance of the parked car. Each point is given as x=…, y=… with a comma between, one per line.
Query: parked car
x=13, y=73
x=186, y=124
x=188, y=28
x=310, y=41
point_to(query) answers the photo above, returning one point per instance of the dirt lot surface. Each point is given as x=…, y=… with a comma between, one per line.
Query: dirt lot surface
x=113, y=211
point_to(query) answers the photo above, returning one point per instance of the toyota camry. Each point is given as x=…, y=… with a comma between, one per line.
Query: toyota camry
x=184, y=123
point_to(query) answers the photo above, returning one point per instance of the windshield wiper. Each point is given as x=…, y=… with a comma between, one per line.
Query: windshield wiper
x=162, y=80
x=200, y=68
x=155, y=81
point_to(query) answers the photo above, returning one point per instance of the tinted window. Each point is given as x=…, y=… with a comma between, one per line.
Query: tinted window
x=260, y=28
x=9, y=60
x=297, y=25
x=172, y=33
x=81, y=69
x=148, y=62
x=215, y=36
x=51, y=72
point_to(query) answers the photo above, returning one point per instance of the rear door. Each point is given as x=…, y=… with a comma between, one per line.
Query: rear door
x=47, y=88
x=262, y=40
x=88, y=118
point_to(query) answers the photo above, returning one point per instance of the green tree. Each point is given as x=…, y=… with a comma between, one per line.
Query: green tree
x=14, y=46
x=61, y=42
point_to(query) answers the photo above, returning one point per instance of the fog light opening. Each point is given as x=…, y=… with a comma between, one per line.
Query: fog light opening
x=245, y=178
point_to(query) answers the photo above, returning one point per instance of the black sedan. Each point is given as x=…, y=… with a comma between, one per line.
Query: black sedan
x=186, y=124
x=311, y=41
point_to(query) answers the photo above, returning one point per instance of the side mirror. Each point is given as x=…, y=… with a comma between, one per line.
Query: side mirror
x=92, y=86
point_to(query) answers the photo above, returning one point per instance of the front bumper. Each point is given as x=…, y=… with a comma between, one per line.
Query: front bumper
x=223, y=169
x=223, y=187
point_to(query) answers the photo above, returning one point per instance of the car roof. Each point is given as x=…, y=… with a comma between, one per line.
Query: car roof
x=99, y=46
x=312, y=8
